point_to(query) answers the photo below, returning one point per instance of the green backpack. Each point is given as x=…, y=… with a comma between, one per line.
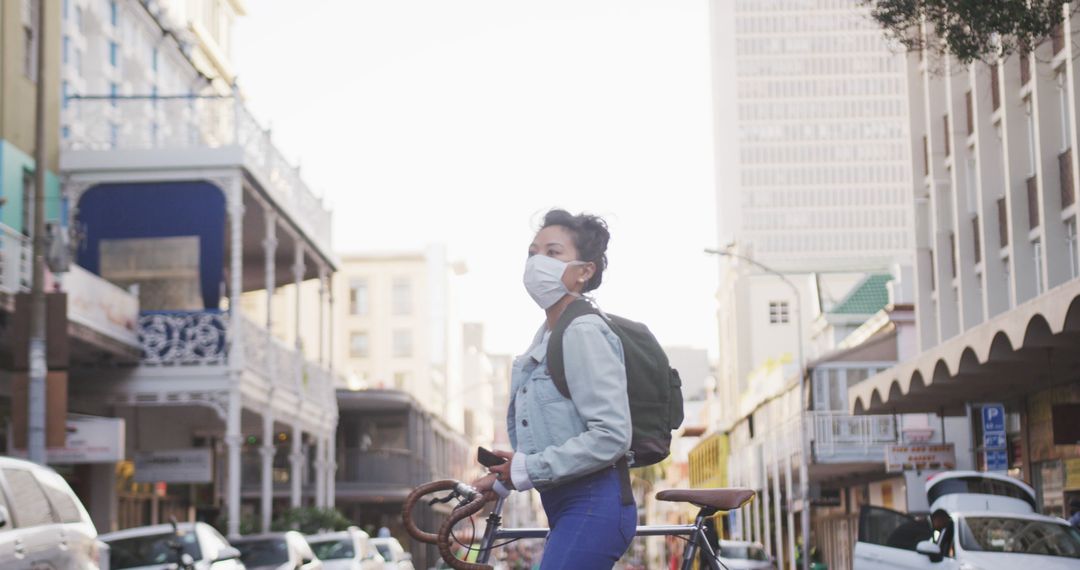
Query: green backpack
x=652, y=385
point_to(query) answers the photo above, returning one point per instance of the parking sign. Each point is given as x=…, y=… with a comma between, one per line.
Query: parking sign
x=993, y=416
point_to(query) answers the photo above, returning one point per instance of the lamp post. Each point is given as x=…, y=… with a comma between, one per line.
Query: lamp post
x=804, y=479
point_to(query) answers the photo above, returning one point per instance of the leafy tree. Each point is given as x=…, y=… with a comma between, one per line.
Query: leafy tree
x=974, y=29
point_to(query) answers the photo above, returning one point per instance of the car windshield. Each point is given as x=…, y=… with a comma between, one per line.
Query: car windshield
x=742, y=553
x=153, y=549
x=1019, y=536
x=384, y=550
x=263, y=552
x=333, y=549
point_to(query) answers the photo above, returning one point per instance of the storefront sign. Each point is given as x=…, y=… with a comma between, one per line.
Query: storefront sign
x=920, y=457
x=174, y=466
x=88, y=439
x=97, y=304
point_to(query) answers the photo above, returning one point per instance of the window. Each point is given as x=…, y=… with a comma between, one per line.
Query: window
x=114, y=92
x=66, y=49
x=889, y=528
x=114, y=13
x=154, y=60
x=28, y=499
x=1063, y=109
x=28, y=203
x=403, y=341
x=30, y=35
x=358, y=298
x=778, y=312
x=402, y=296
x=63, y=503
x=1036, y=247
x=65, y=92
x=114, y=53
x=401, y=380
x=1070, y=242
x=359, y=345
x=1029, y=118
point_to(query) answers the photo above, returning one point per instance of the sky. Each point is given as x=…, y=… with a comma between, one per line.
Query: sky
x=461, y=123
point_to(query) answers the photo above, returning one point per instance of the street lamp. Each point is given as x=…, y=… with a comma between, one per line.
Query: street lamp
x=804, y=479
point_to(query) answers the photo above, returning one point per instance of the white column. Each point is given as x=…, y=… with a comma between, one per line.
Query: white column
x=777, y=506
x=790, y=501
x=267, y=451
x=320, y=471
x=298, y=279
x=331, y=471
x=766, y=530
x=323, y=292
x=297, y=461
x=233, y=436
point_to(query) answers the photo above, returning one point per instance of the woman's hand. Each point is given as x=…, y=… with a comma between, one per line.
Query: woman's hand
x=502, y=472
x=484, y=483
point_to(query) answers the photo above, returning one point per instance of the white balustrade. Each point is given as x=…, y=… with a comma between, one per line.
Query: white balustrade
x=148, y=123
x=838, y=434
x=16, y=259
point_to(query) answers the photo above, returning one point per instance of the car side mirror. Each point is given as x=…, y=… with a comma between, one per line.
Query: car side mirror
x=227, y=553
x=928, y=548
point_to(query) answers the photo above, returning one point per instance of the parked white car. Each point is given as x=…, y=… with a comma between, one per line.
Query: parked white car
x=980, y=541
x=162, y=546
x=741, y=555
x=395, y=556
x=277, y=551
x=42, y=523
x=989, y=524
x=349, y=549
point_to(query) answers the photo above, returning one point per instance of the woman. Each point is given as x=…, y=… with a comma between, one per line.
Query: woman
x=567, y=448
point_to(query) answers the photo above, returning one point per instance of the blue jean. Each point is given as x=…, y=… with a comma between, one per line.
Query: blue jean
x=590, y=527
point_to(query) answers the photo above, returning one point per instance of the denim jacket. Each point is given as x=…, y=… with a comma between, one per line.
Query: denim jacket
x=562, y=439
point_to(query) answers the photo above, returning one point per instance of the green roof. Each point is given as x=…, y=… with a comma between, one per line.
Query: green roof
x=867, y=298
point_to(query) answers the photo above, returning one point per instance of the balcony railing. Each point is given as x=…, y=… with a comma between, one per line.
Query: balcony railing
x=839, y=436
x=383, y=468
x=200, y=338
x=15, y=261
x=180, y=123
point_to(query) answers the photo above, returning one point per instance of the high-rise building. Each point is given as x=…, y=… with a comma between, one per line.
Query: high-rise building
x=812, y=134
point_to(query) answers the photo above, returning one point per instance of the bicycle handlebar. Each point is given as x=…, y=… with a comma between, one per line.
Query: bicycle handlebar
x=473, y=502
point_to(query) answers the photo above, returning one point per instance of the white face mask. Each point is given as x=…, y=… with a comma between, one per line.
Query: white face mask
x=543, y=279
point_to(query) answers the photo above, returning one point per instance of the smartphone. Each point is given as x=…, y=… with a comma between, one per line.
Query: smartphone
x=488, y=459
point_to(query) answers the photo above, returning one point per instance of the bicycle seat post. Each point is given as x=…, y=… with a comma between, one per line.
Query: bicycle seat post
x=494, y=521
x=698, y=539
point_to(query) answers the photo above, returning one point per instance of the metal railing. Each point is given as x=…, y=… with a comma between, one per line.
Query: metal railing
x=194, y=122
x=16, y=258
x=383, y=468
x=842, y=435
x=192, y=338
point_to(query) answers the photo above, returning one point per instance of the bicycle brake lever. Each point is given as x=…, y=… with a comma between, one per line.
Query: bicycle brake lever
x=449, y=497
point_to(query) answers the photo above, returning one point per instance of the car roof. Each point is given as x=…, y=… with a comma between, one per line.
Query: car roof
x=936, y=478
x=265, y=536
x=147, y=531
x=7, y=461
x=1008, y=515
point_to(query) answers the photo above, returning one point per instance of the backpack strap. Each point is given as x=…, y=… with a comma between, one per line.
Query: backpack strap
x=555, y=363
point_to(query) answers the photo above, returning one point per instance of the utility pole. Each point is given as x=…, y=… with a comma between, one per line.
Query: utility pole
x=38, y=365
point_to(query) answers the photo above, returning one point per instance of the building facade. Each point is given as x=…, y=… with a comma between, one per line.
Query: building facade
x=179, y=206
x=997, y=297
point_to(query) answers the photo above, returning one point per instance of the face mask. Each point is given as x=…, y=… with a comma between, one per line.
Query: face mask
x=543, y=279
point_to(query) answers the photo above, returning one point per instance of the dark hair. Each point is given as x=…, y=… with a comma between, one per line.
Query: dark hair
x=591, y=236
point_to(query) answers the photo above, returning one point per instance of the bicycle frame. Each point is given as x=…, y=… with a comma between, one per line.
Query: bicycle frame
x=697, y=540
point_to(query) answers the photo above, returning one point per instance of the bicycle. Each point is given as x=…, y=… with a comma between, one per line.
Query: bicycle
x=471, y=501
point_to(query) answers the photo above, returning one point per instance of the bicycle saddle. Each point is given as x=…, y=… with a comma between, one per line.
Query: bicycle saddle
x=719, y=499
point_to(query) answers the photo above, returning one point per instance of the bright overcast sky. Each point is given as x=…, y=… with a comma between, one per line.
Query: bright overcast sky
x=460, y=122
